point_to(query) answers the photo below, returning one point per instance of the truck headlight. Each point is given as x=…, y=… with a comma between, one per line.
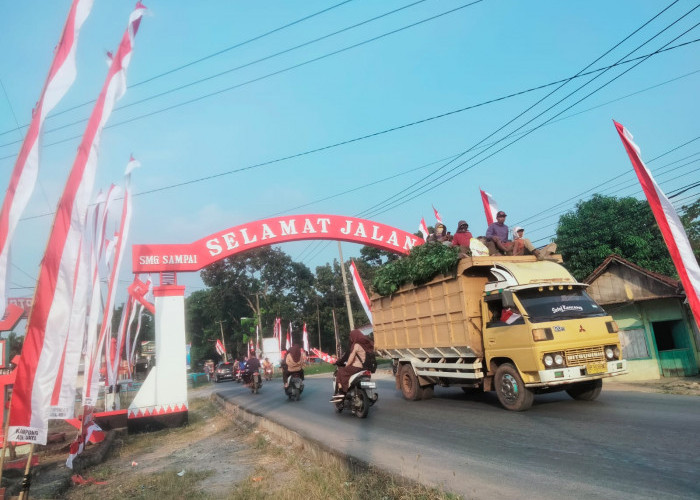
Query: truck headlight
x=559, y=360
x=612, y=352
x=548, y=360
x=553, y=360
x=542, y=334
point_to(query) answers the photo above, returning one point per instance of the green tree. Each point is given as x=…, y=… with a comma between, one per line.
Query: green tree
x=605, y=225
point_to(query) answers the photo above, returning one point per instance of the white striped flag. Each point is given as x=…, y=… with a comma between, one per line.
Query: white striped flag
x=120, y=238
x=61, y=76
x=490, y=207
x=423, y=228
x=47, y=325
x=360, y=290
x=219, y=347
x=670, y=225
x=305, y=339
x=437, y=215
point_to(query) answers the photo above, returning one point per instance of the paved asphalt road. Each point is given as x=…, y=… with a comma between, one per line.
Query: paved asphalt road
x=623, y=445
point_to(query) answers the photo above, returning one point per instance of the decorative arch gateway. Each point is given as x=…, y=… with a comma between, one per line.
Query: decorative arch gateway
x=162, y=399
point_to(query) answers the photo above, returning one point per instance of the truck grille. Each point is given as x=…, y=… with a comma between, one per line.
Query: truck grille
x=580, y=357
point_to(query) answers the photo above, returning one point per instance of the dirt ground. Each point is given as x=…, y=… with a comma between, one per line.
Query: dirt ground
x=221, y=459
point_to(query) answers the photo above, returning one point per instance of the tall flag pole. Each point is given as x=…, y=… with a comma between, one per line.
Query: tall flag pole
x=360, y=290
x=423, y=228
x=669, y=223
x=47, y=324
x=61, y=76
x=490, y=207
x=437, y=215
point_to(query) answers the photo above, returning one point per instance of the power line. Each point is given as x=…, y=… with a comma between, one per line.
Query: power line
x=201, y=59
x=269, y=75
x=384, y=206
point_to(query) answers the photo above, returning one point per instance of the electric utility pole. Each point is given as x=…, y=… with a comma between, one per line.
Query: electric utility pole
x=345, y=288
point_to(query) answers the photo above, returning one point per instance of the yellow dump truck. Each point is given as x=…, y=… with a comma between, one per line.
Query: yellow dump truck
x=510, y=324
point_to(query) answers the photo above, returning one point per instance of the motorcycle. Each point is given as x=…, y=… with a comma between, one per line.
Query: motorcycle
x=268, y=373
x=360, y=395
x=254, y=381
x=295, y=386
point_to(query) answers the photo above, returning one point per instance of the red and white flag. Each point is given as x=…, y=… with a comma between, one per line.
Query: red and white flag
x=437, y=215
x=48, y=321
x=670, y=225
x=360, y=290
x=305, y=339
x=289, y=336
x=220, y=347
x=423, y=228
x=323, y=356
x=509, y=316
x=490, y=207
x=61, y=76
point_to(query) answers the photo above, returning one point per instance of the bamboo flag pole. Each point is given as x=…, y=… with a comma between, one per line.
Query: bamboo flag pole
x=26, y=480
x=345, y=288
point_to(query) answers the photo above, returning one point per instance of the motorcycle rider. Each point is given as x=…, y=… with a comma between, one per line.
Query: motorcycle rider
x=267, y=369
x=360, y=344
x=252, y=366
x=294, y=363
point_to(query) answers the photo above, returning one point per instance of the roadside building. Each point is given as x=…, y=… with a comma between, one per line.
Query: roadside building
x=658, y=333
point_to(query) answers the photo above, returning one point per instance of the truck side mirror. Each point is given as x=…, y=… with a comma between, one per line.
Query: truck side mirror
x=507, y=298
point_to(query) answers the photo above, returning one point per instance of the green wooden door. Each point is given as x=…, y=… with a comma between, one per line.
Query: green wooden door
x=676, y=357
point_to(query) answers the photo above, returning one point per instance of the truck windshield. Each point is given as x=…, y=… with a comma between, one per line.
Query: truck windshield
x=552, y=305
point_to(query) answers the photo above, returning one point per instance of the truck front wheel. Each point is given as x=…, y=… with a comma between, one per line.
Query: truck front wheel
x=585, y=391
x=409, y=383
x=510, y=389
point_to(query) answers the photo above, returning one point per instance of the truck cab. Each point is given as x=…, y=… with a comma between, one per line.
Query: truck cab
x=540, y=321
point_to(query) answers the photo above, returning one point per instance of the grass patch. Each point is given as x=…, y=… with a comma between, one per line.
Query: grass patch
x=166, y=484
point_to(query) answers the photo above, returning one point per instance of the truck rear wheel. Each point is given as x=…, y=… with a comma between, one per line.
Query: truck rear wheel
x=585, y=391
x=409, y=383
x=511, y=390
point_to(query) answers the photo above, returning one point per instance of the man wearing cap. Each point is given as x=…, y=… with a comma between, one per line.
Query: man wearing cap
x=498, y=233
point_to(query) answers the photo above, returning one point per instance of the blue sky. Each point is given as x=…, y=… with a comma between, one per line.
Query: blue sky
x=244, y=117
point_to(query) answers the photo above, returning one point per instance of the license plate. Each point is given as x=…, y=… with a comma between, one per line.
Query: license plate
x=368, y=385
x=593, y=368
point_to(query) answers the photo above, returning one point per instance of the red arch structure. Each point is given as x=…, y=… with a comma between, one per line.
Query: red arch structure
x=237, y=239
x=162, y=399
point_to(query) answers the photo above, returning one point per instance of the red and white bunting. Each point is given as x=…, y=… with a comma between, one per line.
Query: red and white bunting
x=23, y=179
x=490, y=206
x=220, y=347
x=423, y=228
x=48, y=321
x=360, y=290
x=305, y=339
x=437, y=215
x=670, y=225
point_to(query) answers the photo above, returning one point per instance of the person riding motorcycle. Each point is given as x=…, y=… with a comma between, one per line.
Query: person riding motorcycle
x=294, y=363
x=267, y=369
x=360, y=345
x=252, y=366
